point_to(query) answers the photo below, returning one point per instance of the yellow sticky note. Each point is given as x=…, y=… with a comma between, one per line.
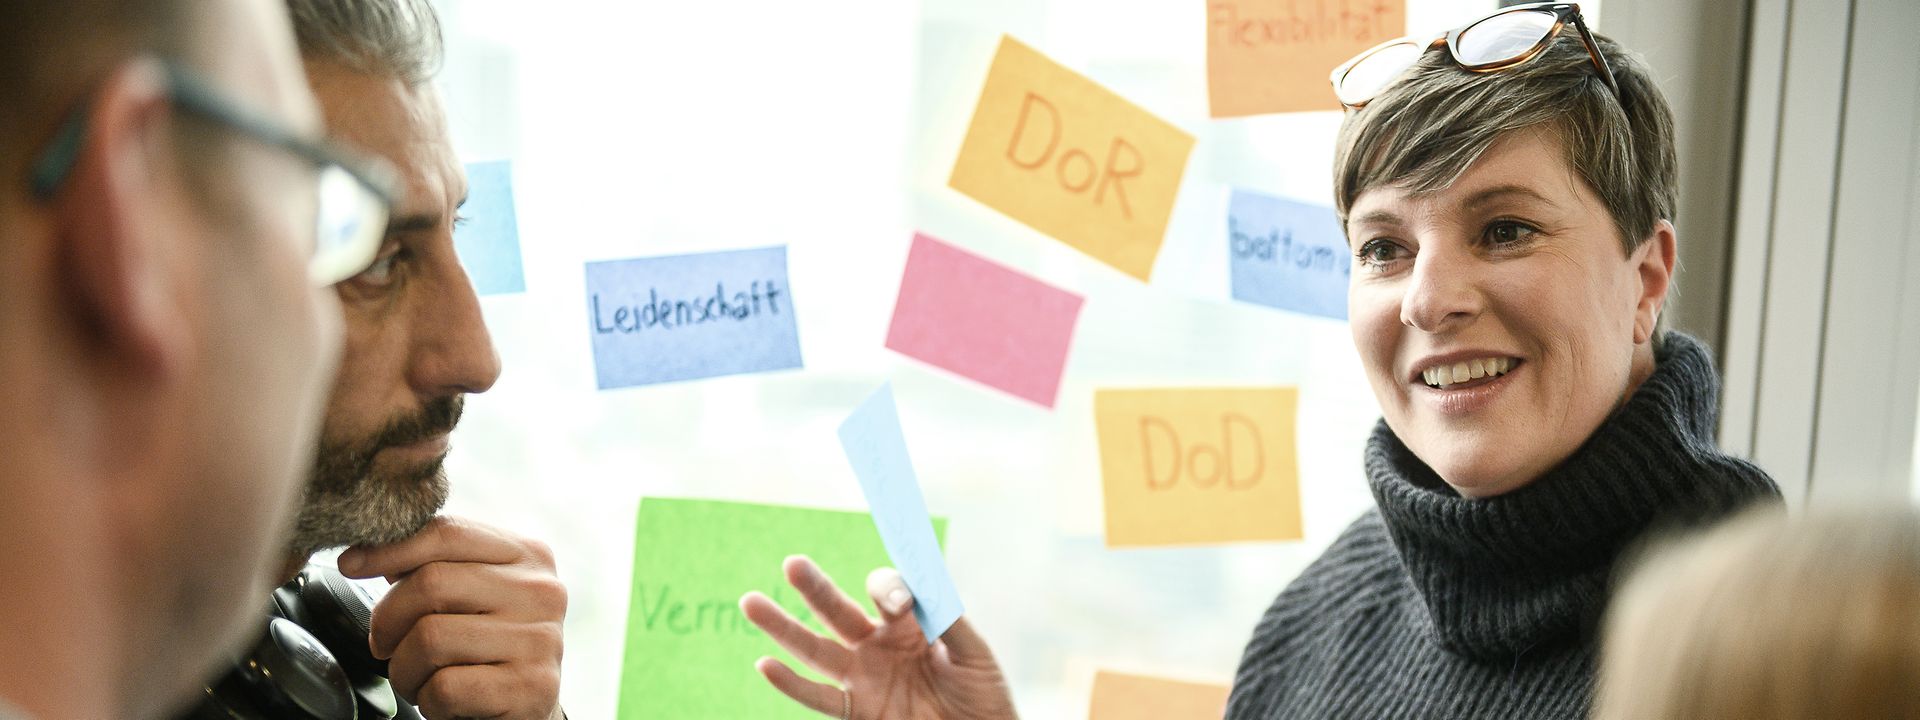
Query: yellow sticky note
x=1071, y=159
x=1269, y=56
x=1188, y=466
x=1118, y=696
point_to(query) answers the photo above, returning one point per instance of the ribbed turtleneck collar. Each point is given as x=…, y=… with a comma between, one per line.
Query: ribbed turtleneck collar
x=1504, y=574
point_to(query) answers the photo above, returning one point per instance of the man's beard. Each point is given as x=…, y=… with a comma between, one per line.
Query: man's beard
x=346, y=503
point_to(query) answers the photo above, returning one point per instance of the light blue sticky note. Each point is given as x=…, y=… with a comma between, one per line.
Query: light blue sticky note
x=875, y=445
x=488, y=242
x=683, y=317
x=1288, y=255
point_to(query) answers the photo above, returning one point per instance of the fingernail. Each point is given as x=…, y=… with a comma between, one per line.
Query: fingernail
x=349, y=561
x=897, y=599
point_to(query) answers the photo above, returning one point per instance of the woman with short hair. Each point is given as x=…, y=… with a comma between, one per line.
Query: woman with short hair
x=1507, y=191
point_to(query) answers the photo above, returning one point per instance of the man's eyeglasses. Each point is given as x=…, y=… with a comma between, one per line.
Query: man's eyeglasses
x=355, y=195
x=1496, y=42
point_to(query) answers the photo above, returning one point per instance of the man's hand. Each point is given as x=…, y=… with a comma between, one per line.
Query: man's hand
x=472, y=626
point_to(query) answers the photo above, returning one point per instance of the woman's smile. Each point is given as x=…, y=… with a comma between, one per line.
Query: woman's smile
x=1498, y=315
x=1463, y=387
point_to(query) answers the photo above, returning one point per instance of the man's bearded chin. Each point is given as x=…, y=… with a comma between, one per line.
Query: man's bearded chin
x=346, y=502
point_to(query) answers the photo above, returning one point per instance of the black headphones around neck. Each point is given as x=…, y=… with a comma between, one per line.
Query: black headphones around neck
x=311, y=661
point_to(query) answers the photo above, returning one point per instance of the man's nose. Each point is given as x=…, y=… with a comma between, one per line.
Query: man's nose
x=453, y=351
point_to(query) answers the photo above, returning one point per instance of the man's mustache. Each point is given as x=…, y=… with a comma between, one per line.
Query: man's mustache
x=438, y=418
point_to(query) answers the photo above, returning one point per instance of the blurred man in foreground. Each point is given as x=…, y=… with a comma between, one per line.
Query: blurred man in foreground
x=165, y=339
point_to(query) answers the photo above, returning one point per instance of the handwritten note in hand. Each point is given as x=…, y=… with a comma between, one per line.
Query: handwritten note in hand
x=980, y=319
x=1071, y=159
x=684, y=317
x=488, y=240
x=1288, y=255
x=689, y=650
x=877, y=448
x=1186, y=466
x=1269, y=56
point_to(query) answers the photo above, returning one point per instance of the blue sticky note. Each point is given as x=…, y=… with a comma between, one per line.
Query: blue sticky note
x=488, y=241
x=1288, y=255
x=684, y=317
x=875, y=445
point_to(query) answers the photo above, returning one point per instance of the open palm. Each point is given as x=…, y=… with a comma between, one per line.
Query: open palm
x=886, y=666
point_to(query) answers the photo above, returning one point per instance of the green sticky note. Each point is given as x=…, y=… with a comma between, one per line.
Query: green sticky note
x=690, y=651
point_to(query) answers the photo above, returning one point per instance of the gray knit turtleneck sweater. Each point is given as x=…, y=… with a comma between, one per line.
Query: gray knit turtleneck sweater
x=1436, y=606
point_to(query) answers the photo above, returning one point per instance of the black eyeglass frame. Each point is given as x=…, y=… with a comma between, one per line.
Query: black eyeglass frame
x=192, y=95
x=1562, y=12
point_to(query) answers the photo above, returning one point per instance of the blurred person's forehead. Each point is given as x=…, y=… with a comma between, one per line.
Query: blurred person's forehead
x=250, y=52
x=54, y=53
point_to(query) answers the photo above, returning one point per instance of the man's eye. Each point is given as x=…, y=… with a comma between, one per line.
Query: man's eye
x=379, y=273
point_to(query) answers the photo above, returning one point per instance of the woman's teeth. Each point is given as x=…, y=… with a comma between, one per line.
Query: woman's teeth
x=1445, y=375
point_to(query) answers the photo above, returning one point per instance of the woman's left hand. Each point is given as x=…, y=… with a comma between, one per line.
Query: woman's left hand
x=886, y=669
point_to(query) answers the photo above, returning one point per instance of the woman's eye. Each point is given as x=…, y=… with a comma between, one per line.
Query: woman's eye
x=1378, y=252
x=1507, y=232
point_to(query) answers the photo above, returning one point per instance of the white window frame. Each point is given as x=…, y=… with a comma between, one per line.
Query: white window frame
x=1821, y=354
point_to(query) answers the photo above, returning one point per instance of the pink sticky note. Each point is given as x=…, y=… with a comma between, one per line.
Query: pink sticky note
x=983, y=320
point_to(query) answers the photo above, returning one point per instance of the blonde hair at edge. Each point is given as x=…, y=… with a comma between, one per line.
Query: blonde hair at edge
x=1766, y=617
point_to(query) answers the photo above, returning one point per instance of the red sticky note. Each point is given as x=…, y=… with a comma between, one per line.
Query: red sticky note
x=983, y=320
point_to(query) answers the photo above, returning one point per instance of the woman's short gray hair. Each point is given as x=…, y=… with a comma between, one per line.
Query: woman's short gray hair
x=379, y=37
x=1425, y=130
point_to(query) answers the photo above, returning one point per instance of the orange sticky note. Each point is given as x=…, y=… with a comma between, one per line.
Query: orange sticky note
x=1189, y=466
x=1071, y=159
x=1118, y=696
x=1270, y=56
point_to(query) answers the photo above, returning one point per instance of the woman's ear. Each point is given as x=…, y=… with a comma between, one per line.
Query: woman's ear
x=1653, y=264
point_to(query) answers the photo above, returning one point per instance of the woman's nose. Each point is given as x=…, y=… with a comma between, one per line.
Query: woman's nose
x=1442, y=294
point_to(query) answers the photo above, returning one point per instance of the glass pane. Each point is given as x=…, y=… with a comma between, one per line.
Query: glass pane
x=640, y=129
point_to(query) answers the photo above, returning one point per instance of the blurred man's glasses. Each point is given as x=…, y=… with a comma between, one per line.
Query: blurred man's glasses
x=355, y=194
x=1496, y=42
